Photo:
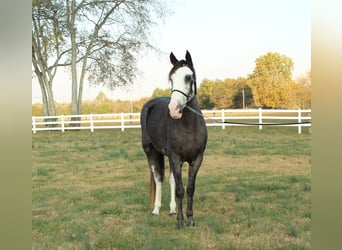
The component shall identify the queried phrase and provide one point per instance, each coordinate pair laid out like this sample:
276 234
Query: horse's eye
188 78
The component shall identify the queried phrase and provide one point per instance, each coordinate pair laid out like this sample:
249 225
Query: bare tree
100 39
47 47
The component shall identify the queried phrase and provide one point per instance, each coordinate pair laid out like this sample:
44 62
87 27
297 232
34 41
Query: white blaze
178 100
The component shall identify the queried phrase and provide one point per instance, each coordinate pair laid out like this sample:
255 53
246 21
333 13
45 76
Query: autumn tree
305 90
269 80
161 92
101 39
243 96
204 94
223 94
299 93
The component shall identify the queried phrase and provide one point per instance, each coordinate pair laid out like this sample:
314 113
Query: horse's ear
173 59
188 59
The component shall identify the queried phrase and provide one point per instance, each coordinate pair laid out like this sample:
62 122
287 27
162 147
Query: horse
174 127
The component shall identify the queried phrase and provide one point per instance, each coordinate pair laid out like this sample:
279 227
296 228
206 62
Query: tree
222 94
227 93
101 98
243 96
305 91
47 43
204 93
299 92
161 92
98 38
269 80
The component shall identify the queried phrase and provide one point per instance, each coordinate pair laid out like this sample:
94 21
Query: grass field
91 191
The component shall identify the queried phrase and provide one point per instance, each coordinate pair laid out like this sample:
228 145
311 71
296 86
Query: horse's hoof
155 214
191 223
180 226
172 213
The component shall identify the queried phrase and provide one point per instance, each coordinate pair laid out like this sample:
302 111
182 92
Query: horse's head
183 84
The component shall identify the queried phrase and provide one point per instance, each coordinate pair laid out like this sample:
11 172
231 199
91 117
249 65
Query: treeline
238 93
211 94
270 85
101 105
219 94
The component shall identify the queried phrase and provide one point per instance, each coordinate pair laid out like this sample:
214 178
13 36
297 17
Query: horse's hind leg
156 164
173 194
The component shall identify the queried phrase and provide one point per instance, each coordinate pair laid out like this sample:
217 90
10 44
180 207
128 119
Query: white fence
221 118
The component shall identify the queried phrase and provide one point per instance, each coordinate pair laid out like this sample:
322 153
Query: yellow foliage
270 79
101 105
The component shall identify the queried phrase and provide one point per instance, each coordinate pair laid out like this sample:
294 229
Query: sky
224 37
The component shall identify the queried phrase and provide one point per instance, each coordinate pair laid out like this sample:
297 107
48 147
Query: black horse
174 127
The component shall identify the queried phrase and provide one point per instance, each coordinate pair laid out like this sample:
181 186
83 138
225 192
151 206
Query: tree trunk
80 90
44 95
46 88
72 30
49 108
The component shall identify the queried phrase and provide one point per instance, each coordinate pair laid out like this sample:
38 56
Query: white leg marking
157 203
173 194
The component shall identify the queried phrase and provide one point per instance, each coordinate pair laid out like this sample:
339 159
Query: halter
191 95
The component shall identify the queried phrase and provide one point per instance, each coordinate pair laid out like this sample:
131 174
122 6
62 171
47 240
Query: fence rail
214 118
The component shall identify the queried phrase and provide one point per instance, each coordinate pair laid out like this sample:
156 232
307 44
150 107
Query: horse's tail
152 189
153 182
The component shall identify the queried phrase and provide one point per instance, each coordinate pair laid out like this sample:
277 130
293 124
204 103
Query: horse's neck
194 110
194 104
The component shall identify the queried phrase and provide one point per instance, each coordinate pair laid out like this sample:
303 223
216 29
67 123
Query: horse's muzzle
175 111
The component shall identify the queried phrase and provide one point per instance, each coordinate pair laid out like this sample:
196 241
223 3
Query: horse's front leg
176 167
190 190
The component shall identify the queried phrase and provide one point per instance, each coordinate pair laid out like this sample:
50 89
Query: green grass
91 191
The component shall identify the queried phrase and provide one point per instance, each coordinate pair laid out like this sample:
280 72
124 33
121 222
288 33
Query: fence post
299 121
122 122
34 124
260 118
62 120
91 122
222 117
